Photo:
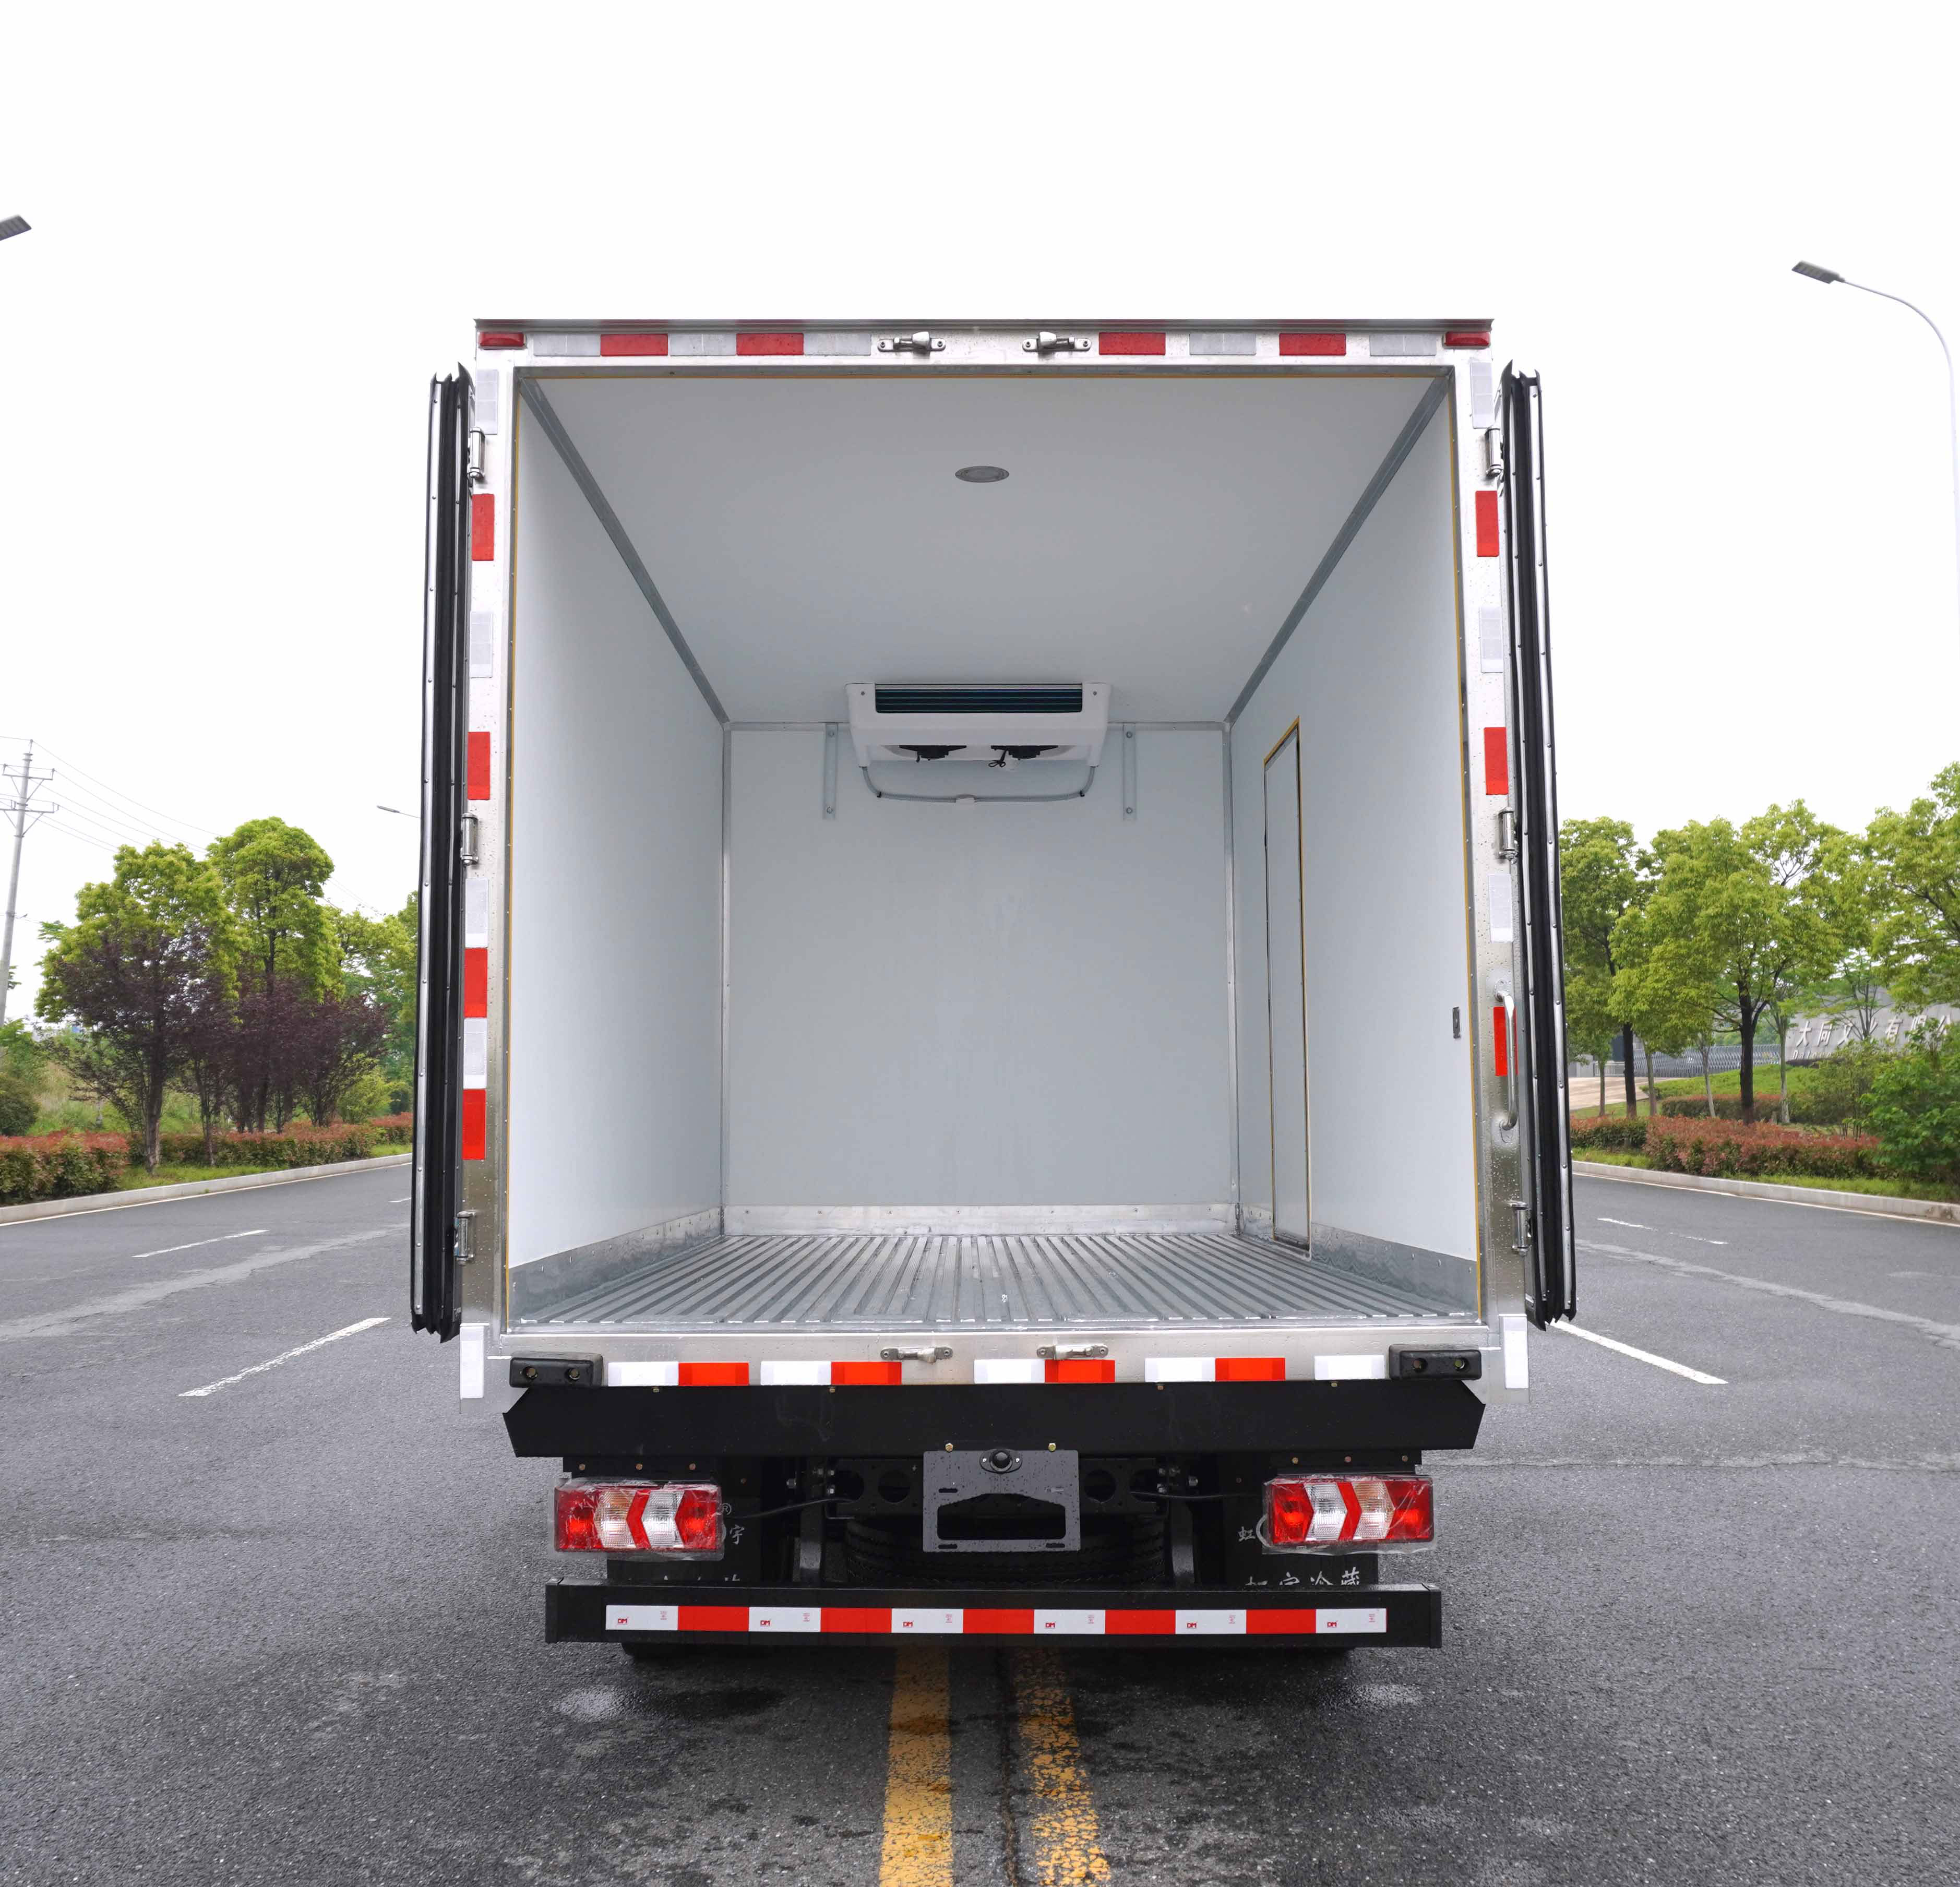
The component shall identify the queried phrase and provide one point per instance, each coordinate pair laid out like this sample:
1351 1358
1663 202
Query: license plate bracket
1002 1500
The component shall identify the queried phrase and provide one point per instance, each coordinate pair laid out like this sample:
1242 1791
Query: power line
68 766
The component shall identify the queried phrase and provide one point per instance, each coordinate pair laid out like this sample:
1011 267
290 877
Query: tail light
679 1519
1328 1513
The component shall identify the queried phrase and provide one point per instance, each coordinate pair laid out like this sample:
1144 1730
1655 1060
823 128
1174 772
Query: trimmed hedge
395 1126
297 1145
59 1166
1739 1149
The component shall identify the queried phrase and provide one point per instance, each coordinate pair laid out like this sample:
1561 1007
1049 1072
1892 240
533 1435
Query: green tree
1599 884
1914 860
1756 910
23 1054
131 977
273 875
378 959
1668 997
1590 1026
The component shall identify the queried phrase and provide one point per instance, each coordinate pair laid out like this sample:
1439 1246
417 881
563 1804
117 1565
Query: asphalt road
289 1630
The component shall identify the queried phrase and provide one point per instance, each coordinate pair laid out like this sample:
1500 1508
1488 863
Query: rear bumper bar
596 1610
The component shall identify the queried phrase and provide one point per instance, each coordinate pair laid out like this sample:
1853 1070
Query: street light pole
1815 272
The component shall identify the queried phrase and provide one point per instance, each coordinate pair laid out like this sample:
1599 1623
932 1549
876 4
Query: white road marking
165 1251
58 1323
1642 1355
259 1369
1632 1225
1947 1336
403 1200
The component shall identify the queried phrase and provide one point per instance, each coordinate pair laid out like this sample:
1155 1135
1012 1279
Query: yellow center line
918 1782
1064 1833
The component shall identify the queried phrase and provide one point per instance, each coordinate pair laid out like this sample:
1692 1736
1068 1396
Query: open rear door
1551 1279
433 1263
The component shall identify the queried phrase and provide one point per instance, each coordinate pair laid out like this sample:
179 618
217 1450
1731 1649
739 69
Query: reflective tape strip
1334 345
1230 341
925 1624
714 1376
483 526
486 399
643 1618
475 910
476 764
565 347
1362 1367
785 1618
1496 764
476 1123
642 1375
482 642
476 981
847 1375
475 1052
1129 341
1503 927
780 1375
631 346
1068 1625
1402 347
1008 1370
1487 544
1214 1369
1210 1624
1079 1369
768 344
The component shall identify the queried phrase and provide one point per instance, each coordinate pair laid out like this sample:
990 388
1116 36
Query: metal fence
1811 1038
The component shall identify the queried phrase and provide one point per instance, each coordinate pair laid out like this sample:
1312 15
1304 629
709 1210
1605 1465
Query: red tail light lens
1328 1513
679 1519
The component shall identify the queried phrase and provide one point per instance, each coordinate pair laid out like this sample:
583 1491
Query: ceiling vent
1038 725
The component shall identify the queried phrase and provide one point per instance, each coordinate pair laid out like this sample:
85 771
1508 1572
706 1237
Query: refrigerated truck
991 1055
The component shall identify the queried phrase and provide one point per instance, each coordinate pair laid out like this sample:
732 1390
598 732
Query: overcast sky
257 232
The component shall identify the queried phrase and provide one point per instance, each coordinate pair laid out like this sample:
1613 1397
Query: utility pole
21 808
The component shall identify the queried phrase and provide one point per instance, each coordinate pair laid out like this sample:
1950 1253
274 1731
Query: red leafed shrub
1742 1150
59 1166
395 1126
1618 1132
1759 1149
297 1145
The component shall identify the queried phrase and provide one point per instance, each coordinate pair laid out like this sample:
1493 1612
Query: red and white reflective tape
1044 1369
676 1375
1214 1369
1008 1621
830 1375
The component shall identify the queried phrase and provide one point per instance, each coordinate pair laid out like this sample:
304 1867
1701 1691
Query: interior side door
1286 989
438 1165
1544 1119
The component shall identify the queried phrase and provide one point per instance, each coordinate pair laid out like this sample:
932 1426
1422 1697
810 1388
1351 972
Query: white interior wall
614 1015
975 1006
1371 675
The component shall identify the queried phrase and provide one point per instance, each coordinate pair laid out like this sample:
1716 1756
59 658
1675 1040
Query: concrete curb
190 1188
1938 1210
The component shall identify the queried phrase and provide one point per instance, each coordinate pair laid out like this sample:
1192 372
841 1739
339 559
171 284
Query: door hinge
1056 1352
1521 1225
921 342
1047 343
1493 453
479 457
916 1353
468 838
1508 832
465 1236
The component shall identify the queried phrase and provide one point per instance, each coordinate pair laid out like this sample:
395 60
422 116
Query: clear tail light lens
1328 1513
679 1519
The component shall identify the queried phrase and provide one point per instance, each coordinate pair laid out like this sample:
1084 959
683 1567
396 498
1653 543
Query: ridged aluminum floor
950 1281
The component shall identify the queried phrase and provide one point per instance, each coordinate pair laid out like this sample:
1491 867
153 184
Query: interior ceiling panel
1153 532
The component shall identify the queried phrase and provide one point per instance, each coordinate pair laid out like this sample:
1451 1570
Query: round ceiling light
981 474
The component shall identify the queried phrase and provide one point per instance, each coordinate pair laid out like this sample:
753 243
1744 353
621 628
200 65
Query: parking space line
1064 1835
259 1369
1642 1355
918 1776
